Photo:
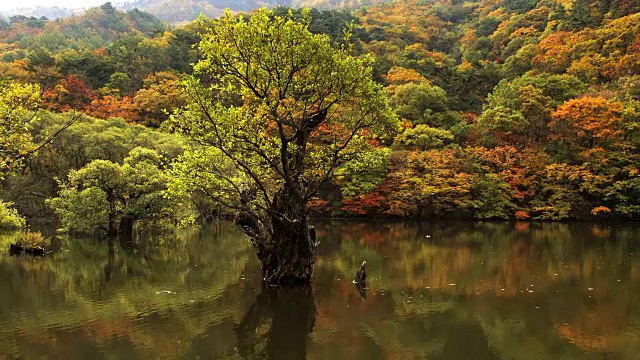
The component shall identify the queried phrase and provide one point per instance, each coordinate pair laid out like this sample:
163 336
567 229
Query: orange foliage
398 75
319 206
554 52
589 121
111 106
600 209
15 70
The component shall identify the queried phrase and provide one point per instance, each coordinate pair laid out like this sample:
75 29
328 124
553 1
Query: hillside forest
505 109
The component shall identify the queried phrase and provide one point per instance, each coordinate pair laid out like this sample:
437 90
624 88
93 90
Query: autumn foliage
508 109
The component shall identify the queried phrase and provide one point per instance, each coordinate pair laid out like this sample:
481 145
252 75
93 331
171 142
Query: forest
489 109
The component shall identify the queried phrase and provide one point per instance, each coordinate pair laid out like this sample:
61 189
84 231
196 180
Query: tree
17 105
586 123
120 83
284 110
160 95
423 103
423 137
9 217
580 15
70 93
111 196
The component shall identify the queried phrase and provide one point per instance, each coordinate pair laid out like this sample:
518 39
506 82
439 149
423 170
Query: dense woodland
511 109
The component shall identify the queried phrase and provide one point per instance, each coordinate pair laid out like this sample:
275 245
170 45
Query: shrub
9 217
33 239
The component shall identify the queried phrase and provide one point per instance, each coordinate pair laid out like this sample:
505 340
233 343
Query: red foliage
365 204
70 93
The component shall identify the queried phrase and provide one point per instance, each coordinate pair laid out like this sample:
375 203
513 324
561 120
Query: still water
436 291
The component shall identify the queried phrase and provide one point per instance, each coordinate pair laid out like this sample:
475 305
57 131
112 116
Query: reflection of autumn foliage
497 273
427 279
585 341
596 329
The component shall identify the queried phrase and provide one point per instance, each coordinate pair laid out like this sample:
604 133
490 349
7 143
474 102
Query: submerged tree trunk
285 244
113 213
126 227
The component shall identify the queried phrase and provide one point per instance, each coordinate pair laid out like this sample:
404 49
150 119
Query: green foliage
559 88
364 174
86 140
493 198
306 109
100 194
17 105
82 211
423 137
119 82
424 103
328 22
9 217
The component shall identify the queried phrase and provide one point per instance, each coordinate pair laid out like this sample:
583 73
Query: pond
435 291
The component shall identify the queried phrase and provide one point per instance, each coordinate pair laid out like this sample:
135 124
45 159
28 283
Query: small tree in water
276 111
111 196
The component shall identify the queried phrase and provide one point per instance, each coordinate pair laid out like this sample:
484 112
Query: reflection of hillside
446 290
72 291
525 279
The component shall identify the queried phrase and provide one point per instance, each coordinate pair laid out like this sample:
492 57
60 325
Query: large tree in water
273 111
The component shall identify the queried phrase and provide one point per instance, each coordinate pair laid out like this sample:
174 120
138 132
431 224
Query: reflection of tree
97 291
108 268
467 341
292 316
410 312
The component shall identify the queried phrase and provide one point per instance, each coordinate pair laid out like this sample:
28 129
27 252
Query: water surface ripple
435 291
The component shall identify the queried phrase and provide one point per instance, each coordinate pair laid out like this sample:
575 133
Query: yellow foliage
33 239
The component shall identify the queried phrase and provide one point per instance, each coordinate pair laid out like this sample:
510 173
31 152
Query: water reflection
290 315
437 291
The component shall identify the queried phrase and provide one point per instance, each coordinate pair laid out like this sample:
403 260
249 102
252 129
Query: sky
69 4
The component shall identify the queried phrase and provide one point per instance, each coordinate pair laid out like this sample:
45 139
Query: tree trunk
126 227
287 252
290 260
113 213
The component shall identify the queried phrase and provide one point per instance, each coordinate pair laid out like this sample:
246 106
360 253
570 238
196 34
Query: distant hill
180 11
52 12
177 11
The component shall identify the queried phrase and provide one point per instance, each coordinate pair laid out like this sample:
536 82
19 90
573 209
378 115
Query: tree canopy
278 109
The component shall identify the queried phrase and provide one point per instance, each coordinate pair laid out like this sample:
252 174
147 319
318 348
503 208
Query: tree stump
361 275
18 249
